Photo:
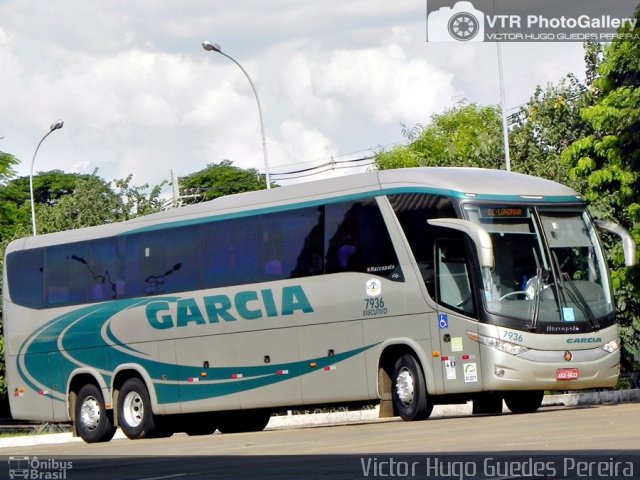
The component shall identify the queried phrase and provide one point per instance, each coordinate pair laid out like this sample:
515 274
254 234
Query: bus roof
485 184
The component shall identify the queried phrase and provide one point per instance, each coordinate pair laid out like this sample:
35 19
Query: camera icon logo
462 23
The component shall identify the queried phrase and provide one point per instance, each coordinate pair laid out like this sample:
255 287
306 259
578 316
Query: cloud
299 141
139 95
384 83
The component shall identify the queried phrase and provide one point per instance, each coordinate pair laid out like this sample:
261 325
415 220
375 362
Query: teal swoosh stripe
80 333
262 376
116 341
40 351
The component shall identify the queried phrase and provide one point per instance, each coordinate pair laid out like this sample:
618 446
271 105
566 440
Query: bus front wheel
524 401
409 390
90 416
134 410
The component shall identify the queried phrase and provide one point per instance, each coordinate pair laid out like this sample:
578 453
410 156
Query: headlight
612 346
507 347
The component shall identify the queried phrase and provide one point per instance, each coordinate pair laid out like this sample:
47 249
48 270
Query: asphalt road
557 442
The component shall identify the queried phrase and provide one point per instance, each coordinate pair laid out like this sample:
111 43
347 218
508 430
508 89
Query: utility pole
176 189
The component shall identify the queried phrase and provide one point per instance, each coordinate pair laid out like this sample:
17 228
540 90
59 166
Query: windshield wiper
537 290
574 294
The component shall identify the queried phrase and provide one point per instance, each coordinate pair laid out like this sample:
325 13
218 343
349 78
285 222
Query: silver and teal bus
408 287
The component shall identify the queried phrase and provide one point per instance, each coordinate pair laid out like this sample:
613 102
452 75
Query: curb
358 416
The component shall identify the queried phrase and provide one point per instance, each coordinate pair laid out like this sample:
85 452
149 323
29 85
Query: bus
408 288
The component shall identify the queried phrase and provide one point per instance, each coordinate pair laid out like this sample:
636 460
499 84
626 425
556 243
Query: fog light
498 372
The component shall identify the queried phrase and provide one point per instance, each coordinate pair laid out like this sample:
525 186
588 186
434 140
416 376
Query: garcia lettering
246 305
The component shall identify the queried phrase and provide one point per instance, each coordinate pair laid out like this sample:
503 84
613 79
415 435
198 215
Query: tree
69 200
604 164
7 161
15 198
95 202
464 136
220 179
138 200
547 125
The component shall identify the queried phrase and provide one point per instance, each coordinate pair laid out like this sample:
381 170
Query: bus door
460 356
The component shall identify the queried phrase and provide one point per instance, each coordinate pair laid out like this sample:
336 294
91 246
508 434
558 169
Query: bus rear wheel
134 410
92 422
409 390
524 401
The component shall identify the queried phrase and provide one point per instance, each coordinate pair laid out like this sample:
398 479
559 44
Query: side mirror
628 244
479 235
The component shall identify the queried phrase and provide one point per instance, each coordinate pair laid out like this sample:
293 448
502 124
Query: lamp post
56 126
505 128
214 47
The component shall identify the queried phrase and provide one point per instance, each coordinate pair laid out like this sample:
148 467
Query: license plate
567 373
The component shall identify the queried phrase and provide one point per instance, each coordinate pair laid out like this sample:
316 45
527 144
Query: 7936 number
514 336
373 303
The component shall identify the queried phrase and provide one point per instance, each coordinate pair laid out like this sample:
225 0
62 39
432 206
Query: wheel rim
133 409
90 413
405 388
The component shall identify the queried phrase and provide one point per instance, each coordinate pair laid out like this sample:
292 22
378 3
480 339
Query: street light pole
503 104
214 47
505 128
56 126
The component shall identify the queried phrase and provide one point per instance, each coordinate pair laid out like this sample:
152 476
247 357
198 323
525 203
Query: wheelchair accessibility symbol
443 321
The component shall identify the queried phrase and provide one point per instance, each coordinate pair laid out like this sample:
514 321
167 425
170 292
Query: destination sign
504 212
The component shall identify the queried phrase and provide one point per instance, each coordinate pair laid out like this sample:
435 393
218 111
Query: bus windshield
549 267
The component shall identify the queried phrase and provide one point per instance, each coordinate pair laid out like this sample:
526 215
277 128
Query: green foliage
464 136
220 179
7 161
546 125
91 203
48 187
604 165
95 202
138 200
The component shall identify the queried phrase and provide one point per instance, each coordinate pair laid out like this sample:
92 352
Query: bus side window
342 237
310 250
171 260
69 276
357 240
25 274
413 210
453 282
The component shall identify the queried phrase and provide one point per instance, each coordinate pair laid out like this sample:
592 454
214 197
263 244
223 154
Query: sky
336 80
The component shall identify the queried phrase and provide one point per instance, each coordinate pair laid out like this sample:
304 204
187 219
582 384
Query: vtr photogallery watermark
526 21
34 468
499 467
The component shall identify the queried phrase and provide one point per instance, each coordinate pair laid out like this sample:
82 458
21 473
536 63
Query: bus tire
409 390
524 401
92 422
134 410
243 421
